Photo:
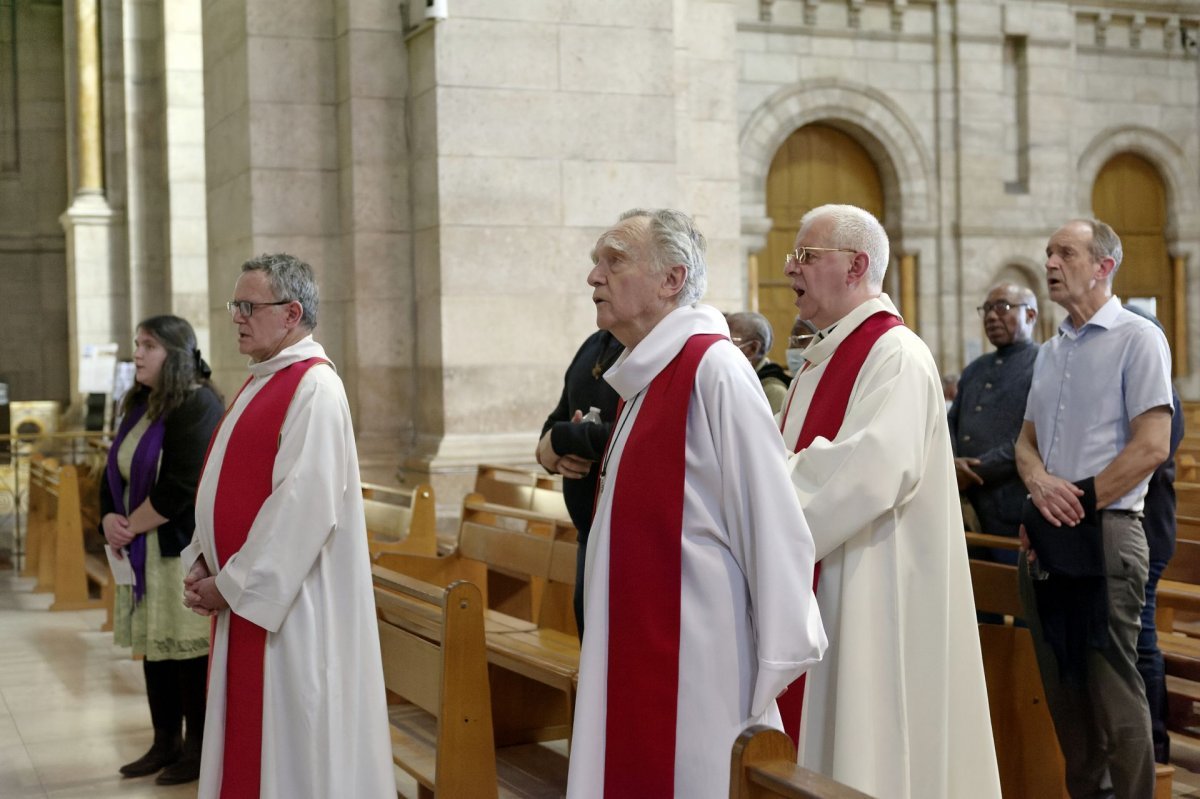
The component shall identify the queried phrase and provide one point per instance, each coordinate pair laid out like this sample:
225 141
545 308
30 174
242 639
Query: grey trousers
1103 722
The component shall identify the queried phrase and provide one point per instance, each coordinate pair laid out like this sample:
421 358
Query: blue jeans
1150 666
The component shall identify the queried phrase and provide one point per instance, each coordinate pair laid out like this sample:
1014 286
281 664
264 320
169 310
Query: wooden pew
38 523
1027 751
1187 527
434 658
522 488
1187 467
524 563
1187 499
764 766
522 560
64 567
400 520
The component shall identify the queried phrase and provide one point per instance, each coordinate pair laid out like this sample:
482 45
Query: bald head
1009 312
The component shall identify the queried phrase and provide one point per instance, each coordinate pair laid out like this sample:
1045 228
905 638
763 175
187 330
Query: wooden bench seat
764 766
400 520
432 642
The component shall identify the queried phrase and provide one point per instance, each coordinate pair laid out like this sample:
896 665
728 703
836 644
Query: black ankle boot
165 751
193 677
185 769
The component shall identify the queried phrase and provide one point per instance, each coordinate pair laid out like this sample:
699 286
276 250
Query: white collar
302 350
636 367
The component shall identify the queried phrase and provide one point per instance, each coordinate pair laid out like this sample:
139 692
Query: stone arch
1183 196
874 120
1028 270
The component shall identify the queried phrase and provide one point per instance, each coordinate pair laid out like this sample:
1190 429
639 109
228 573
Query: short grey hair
754 324
1105 243
290 279
856 229
674 239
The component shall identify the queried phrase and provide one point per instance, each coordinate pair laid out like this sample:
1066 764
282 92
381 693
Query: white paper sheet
121 568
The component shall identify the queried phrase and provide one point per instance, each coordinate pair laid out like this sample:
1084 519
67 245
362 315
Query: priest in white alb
698 580
898 707
296 703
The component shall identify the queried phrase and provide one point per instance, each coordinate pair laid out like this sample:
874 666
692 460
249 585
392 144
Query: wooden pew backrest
1184 565
995 588
1027 751
400 520
1187 498
522 488
530 560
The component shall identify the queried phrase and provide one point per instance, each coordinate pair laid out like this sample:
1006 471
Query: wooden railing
71 447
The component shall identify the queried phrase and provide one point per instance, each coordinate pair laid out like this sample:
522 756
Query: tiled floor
72 705
73 708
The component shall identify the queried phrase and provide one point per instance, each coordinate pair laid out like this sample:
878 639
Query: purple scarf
143 471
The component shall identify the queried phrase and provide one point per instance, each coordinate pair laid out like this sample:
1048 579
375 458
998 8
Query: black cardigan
185 441
583 388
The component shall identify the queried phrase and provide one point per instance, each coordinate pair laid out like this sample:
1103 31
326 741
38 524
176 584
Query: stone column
89 220
186 217
1179 336
270 144
528 139
909 304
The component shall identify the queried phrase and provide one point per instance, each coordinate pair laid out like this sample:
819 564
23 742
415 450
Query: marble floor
72 705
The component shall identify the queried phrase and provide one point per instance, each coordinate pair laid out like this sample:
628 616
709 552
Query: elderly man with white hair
752 334
698 585
898 707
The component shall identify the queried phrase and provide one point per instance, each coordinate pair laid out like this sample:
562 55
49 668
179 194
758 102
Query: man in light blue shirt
1098 417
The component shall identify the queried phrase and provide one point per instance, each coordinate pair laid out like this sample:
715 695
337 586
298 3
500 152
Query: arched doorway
1129 195
817 164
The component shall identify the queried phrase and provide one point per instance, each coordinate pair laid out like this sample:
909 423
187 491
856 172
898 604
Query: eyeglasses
245 308
803 255
801 341
1000 306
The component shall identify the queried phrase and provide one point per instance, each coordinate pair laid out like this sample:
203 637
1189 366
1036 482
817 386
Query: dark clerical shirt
985 421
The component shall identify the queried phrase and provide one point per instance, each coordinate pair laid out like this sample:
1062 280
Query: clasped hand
200 592
1057 500
966 475
116 531
570 466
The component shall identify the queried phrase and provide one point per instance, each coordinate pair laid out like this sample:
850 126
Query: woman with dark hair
147 515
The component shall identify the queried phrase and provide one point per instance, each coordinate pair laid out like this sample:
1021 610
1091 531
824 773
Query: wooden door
817 164
1129 195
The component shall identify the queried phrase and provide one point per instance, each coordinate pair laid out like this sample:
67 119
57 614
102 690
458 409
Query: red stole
645 576
824 418
243 485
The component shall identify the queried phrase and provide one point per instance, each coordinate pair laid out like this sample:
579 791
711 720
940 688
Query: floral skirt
160 627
